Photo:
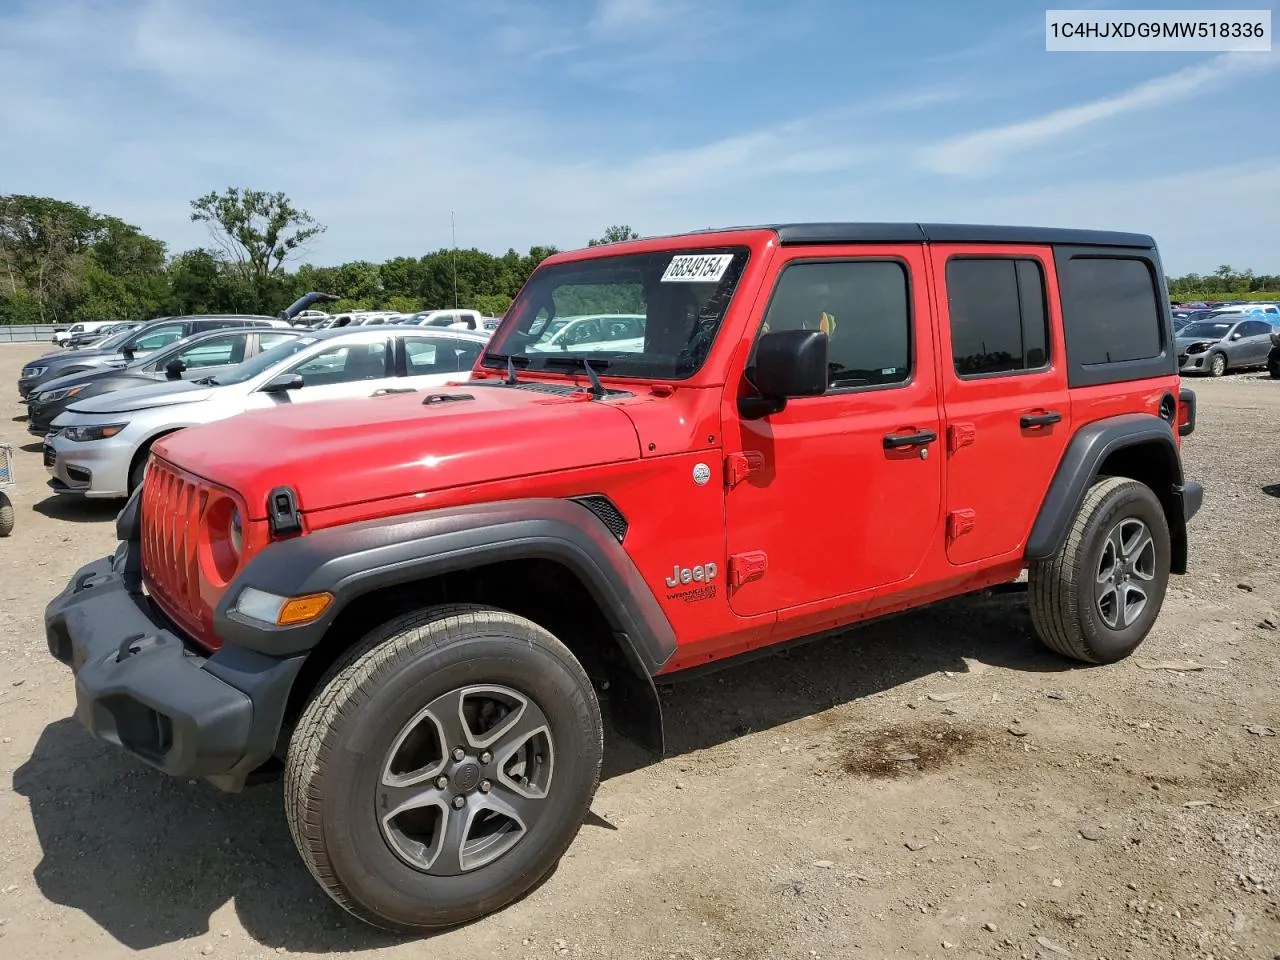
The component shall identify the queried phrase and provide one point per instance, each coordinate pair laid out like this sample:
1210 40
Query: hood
69 356
143 398
74 379
338 452
1182 343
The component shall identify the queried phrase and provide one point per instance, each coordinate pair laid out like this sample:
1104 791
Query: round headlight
235 532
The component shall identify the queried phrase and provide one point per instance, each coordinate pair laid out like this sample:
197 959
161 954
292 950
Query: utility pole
453 229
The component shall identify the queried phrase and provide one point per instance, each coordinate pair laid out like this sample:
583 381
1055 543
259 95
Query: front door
1004 393
840 493
355 367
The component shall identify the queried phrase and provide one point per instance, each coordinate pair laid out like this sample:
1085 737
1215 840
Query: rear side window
998 321
1112 306
862 306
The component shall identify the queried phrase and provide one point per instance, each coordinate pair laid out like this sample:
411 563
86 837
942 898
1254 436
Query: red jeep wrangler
675 451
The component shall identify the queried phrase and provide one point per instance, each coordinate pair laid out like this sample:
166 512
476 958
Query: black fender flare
1079 468
352 560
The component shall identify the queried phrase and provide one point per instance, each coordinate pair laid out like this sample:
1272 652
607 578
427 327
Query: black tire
1067 616
1273 367
6 516
137 473
1217 364
343 744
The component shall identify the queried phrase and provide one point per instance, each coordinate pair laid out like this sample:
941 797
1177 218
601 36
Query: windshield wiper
597 388
511 360
507 358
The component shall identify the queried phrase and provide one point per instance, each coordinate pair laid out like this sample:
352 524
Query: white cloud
1199 219
980 152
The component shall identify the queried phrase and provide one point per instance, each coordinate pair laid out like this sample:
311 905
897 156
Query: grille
172 504
607 513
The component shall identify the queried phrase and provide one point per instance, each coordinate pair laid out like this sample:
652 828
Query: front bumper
1194 362
143 687
94 468
40 417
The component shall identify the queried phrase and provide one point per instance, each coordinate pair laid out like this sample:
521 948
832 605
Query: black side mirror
174 369
789 363
127 353
283 383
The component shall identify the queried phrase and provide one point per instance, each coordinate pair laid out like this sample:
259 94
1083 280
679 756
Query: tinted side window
1256 328
345 363
862 306
158 337
997 309
1113 307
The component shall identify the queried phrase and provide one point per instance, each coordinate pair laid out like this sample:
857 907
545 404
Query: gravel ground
1048 810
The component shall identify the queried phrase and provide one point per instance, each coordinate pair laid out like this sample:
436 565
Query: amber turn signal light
301 609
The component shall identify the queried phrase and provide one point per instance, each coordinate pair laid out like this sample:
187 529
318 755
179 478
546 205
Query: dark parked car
116 352
97 336
198 356
1182 317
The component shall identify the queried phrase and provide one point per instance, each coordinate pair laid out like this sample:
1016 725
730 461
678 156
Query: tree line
61 262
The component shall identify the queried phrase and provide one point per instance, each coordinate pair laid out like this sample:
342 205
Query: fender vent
606 512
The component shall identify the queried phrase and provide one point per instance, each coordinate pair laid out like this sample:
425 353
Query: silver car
99 447
1217 345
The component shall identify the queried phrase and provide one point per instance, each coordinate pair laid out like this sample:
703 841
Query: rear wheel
1217 364
443 767
1098 597
6 516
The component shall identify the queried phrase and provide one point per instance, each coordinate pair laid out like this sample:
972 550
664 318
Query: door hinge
960 522
960 435
745 567
739 466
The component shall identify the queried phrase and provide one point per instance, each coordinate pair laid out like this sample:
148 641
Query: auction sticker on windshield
697 268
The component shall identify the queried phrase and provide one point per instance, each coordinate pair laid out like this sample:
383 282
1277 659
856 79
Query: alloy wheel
466 779
1125 572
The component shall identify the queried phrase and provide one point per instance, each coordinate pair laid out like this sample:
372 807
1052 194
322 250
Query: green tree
614 234
256 230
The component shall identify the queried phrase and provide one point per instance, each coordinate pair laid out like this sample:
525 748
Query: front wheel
443 767
1217 365
1099 596
6 516
1273 366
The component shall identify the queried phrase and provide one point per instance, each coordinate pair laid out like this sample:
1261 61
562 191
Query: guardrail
18 333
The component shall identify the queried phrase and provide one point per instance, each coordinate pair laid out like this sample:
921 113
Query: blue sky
542 122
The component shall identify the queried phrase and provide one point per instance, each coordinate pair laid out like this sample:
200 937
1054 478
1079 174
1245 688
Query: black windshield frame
687 314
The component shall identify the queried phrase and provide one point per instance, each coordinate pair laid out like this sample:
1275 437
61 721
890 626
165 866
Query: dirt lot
1050 810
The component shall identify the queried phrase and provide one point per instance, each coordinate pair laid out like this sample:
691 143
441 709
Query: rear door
1004 393
1256 341
841 493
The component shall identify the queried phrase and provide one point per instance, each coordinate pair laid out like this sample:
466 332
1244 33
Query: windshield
264 361
652 315
1217 329
114 340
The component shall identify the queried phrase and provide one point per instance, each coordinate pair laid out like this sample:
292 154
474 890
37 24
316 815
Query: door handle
893 441
1029 420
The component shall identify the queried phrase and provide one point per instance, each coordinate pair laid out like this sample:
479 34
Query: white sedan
99 447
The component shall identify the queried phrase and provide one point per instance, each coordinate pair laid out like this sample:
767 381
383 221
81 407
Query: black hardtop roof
819 233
